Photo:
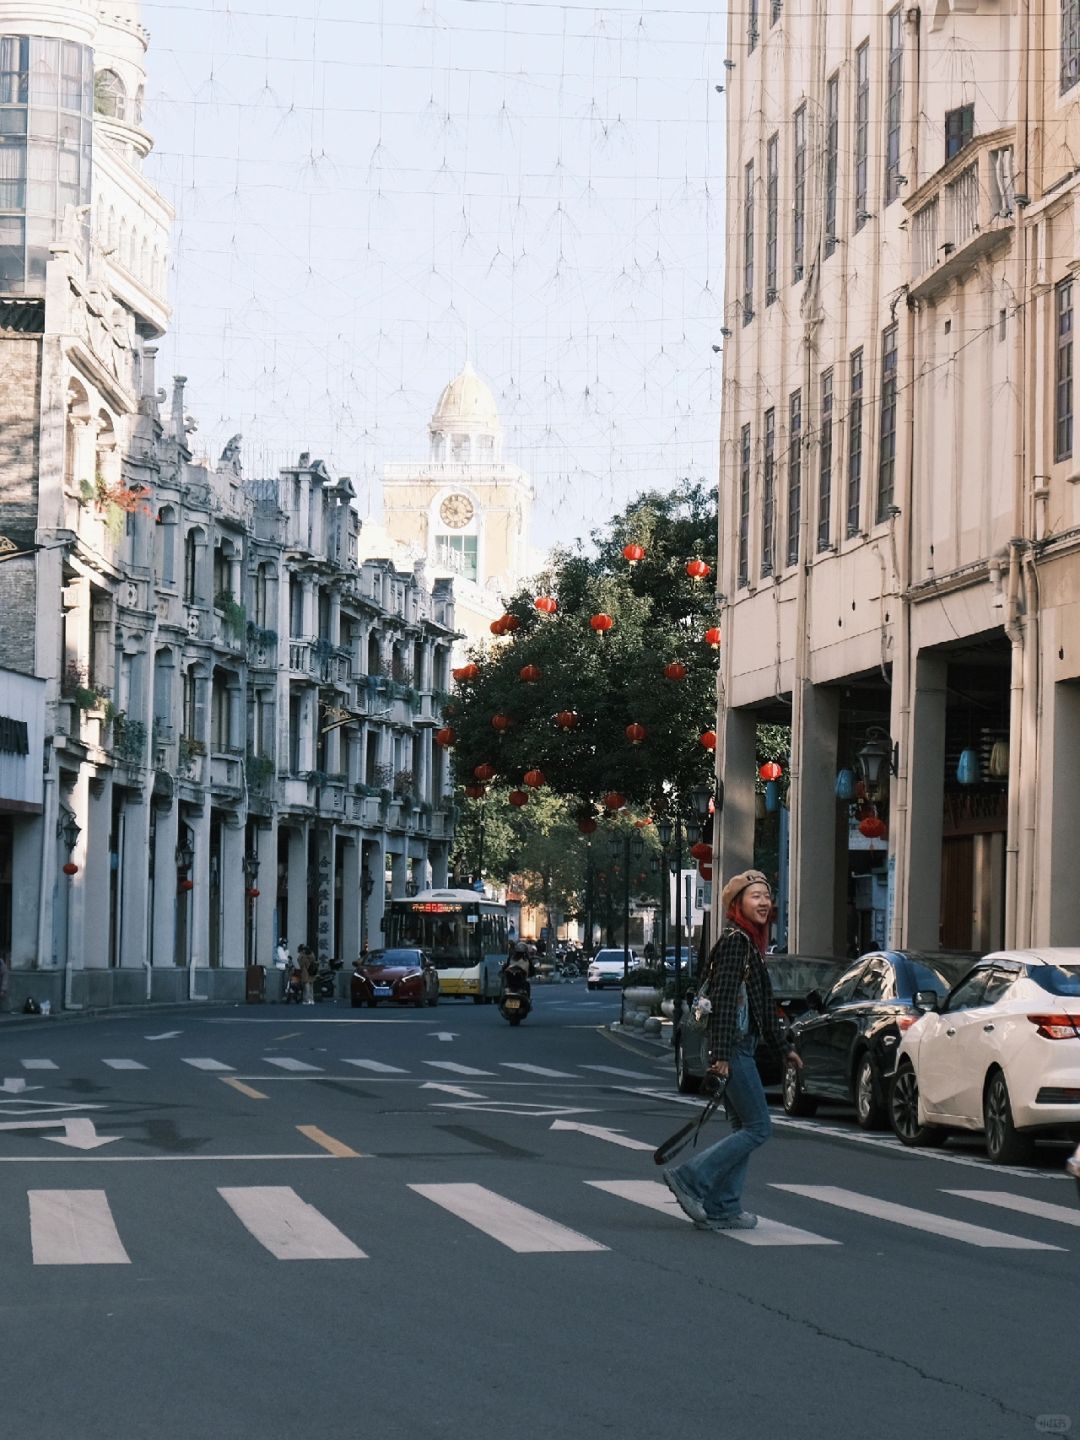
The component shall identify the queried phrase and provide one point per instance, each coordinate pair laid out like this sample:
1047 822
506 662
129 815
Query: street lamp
68 829
367 885
631 845
185 857
251 875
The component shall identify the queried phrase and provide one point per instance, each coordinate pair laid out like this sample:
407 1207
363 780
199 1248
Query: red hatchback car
406 977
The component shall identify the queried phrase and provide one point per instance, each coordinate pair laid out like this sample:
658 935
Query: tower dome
465 425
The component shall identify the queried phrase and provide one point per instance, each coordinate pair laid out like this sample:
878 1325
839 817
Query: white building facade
900 514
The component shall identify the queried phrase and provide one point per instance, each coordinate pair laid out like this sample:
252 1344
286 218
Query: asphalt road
260 1222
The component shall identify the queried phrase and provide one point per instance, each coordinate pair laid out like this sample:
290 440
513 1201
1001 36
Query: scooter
515 1002
325 982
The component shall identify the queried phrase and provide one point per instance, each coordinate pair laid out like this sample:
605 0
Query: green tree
608 682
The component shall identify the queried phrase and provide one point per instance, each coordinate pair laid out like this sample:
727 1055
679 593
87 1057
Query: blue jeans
716 1176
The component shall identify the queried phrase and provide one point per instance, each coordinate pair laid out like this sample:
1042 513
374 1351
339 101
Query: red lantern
566 720
586 825
530 674
675 671
497 627
613 800
546 604
701 851
633 553
467 672
708 739
71 868
475 792
601 623
713 637
518 798
253 893
698 570
510 623
635 733
445 737
484 772
534 778
770 770
501 723
873 827
186 885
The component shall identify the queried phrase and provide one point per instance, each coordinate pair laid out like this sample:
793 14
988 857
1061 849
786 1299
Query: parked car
405 976
1001 1054
793 978
848 1039
686 958
606 968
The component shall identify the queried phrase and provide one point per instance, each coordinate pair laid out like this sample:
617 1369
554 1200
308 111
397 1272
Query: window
844 989
768 494
192 544
752 26
110 96
887 441
794 492
969 993
824 524
14 69
1070 44
744 506
893 103
862 132
1063 370
748 243
457 553
959 128
832 159
876 981
772 206
798 203
854 464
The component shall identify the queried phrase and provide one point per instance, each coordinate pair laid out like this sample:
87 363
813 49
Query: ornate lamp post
251 875
630 845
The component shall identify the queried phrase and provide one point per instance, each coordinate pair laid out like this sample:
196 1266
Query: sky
368 192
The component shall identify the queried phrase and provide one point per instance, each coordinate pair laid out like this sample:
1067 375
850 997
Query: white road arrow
452 1090
598 1133
79 1134
168 1035
14 1085
443 1034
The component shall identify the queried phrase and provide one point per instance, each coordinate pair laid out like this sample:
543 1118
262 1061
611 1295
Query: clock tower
465 510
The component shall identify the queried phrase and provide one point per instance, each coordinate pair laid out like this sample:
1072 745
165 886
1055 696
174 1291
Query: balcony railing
964 210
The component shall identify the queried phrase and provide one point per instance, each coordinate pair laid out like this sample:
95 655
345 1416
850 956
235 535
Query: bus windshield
450 937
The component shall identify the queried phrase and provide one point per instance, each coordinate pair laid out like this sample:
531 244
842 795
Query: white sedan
606 968
1001 1055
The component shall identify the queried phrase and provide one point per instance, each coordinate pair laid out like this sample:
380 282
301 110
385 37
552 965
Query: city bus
464 933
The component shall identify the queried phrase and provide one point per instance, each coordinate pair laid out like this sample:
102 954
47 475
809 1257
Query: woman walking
709 1187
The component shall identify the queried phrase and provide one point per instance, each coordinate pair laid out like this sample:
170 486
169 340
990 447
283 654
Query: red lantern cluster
770 770
713 637
546 604
534 779
698 570
708 740
518 798
501 723
566 720
484 772
873 827
601 623
633 553
464 673
530 674
635 733
505 625
613 800
445 737
675 671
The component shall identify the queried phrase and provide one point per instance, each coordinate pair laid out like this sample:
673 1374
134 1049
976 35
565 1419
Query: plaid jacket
734 956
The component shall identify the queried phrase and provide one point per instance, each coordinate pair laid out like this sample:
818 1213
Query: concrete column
813 921
323 944
163 939
234 900
919 908
439 856
737 744
134 880
297 889
399 872
265 939
91 917
199 895
1058 923
348 942
374 862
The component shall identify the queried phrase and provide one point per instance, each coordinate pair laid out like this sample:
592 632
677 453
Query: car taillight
1057 1027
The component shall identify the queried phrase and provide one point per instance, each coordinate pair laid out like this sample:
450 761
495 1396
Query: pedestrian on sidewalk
709 1186
309 968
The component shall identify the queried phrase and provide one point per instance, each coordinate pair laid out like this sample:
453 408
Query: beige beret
737 884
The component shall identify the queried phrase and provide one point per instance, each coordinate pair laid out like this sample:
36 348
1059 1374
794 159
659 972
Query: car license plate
382 990
512 1004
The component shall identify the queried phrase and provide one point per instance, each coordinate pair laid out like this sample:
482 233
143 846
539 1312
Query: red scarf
759 934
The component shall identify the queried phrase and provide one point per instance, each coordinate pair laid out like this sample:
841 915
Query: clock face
456 511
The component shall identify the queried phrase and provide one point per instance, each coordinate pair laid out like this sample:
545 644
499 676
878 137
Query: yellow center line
244 1089
328 1143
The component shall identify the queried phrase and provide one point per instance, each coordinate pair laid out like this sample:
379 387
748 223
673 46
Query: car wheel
795 1099
904 1111
869 1111
686 1082
1005 1145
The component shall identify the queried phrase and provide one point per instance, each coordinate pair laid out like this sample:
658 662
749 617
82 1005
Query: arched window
193 543
110 95
165 545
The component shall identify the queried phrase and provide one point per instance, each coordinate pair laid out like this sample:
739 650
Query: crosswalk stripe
456 1068
73 1227
287 1226
626 1074
207 1065
123 1064
283 1062
1041 1209
38 1065
915 1219
657 1196
537 1070
519 1229
377 1067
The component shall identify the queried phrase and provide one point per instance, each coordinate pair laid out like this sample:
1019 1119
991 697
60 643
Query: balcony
965 210
320 661
227 772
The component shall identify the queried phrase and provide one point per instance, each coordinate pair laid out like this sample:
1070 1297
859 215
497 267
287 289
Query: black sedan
848 1039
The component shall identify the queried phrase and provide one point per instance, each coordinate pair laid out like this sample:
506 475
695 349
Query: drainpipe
1030 752
1015 631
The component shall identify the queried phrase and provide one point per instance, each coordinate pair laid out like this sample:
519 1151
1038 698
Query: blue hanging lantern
967 769
772 796
845 785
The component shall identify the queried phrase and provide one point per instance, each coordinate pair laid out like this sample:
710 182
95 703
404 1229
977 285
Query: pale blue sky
363 187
